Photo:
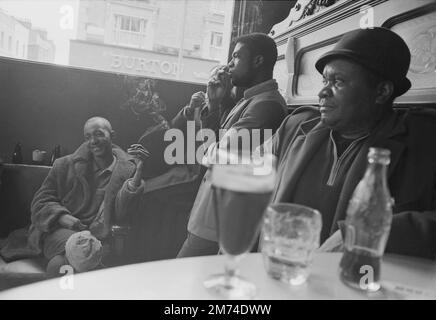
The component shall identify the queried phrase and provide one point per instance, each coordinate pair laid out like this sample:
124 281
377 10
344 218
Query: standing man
322 152
262 107
78 194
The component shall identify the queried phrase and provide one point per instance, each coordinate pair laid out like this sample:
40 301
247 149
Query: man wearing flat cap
324 150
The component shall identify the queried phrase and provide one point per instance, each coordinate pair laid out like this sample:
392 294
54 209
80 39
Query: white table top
181 279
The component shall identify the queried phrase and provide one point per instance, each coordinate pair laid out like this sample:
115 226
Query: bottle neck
376 174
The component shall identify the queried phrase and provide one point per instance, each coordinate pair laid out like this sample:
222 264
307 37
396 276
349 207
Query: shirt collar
260 88
108 169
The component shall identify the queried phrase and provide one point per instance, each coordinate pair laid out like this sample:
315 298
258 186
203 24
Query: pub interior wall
42 105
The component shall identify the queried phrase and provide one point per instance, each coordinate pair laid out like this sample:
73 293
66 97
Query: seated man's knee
83 251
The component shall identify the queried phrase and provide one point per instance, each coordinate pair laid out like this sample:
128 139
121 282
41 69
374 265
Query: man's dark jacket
263 108
409 135
66 190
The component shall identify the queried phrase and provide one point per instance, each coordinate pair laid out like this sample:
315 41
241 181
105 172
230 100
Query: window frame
118 18
213 42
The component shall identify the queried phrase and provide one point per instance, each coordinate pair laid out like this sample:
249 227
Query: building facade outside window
130 31
170 39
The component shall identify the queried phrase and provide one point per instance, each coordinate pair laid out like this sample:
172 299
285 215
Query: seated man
262 108
157 201
322 153
78 194
144 197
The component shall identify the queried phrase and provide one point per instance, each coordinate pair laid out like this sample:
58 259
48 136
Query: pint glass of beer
241 188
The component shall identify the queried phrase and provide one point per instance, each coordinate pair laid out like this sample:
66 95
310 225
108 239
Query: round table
402 277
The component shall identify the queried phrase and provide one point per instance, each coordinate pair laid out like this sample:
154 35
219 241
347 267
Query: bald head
102 122
98 135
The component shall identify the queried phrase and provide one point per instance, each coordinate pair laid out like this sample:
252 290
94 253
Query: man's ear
385 91
258 61
112 134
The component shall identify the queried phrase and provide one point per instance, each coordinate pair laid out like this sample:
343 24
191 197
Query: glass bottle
368 222
17 156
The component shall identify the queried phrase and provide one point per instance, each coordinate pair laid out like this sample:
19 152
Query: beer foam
255 177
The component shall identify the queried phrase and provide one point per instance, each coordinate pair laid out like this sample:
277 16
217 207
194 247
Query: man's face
241 66
347 99
99 138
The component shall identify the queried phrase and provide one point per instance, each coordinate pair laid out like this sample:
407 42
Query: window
162 39
216 39
130 24
131 32
134 25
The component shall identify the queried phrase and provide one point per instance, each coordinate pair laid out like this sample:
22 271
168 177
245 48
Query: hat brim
401 85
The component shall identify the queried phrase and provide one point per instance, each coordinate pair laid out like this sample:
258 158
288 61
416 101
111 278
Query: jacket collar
82 159
83 154
311 126
266 86
260 88
100 171
390 126
383 135
311 134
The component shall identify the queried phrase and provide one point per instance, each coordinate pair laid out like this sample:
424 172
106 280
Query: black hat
379 49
